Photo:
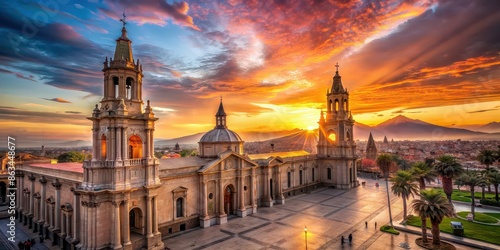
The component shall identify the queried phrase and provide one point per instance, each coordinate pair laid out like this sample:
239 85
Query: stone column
149 217
113 143
43 218
57 222
281 197
241 210
155 216
96 154
252 192
151 143
32 192
126 225
68 226
63 225
119 144
117 233
76 216
20 195
108 143
222 215
146 148
124 143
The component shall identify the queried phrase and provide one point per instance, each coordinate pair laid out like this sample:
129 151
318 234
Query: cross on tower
337 66
123 20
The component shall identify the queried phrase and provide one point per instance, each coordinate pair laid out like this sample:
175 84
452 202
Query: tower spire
220 116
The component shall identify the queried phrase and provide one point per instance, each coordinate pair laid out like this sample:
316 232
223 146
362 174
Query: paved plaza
328 214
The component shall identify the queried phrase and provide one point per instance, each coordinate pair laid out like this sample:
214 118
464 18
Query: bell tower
122 129
336 146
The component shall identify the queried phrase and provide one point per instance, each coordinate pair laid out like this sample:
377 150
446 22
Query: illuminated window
332 137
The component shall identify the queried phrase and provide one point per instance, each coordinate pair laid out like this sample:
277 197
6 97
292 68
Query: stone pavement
22 234
327 213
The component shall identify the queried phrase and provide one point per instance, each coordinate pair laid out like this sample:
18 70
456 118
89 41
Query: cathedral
125 198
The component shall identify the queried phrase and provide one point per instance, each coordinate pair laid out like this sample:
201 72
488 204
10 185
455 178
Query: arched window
180 207
129 88
312 173
336 105
289 178
300 177
116 86
348 136
330 106
135 147
332 137
329 174
103 147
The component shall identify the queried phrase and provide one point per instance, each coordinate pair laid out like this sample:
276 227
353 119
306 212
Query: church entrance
135 220
228 200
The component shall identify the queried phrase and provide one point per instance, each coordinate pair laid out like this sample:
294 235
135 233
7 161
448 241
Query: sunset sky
271 61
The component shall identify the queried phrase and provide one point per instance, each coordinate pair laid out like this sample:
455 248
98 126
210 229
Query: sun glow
310 128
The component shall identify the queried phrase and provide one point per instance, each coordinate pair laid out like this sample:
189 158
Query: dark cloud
73 112
481 111
10 113
57 99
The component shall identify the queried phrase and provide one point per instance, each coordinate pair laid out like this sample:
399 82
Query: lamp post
305 233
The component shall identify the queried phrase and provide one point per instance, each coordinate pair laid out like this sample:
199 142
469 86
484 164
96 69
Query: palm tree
423 172
403 185
384 163
494 179
434 205
448 168
472 179
487 157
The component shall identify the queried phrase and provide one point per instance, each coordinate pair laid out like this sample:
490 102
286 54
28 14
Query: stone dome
221 135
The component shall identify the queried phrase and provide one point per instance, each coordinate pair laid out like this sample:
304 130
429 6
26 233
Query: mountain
246 136
300 140
404 128
492 127
70 144
188 139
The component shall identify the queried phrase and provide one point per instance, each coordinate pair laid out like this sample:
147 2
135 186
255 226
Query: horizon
435 61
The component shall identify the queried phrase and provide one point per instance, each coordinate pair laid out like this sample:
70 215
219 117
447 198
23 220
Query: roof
171 163
280 154
65 166
221 111
221 135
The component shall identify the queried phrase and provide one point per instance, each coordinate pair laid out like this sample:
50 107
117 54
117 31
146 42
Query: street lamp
305 233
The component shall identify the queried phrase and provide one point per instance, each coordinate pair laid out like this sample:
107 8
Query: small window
329 174
180 207
245 188
300 177
312 173
210 196
289 179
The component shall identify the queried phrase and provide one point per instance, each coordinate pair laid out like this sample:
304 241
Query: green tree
494 179
434 205
72 156
403 185
448 168
423 172
384 163
486 157
472 179
158 154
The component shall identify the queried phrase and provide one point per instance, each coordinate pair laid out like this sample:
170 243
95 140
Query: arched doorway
228 200
135 147
135 220
3 192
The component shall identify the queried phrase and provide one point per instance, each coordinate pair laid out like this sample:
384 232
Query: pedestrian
33 241
366 224
350 239
20 245
342 240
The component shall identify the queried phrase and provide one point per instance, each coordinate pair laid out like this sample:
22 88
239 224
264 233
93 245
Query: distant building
126 198
177 148
385 140
371 148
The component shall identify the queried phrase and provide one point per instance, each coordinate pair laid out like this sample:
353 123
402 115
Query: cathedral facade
125 198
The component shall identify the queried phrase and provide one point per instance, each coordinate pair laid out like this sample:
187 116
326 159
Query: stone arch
130 87
134 147
116 86
229 199
136 221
